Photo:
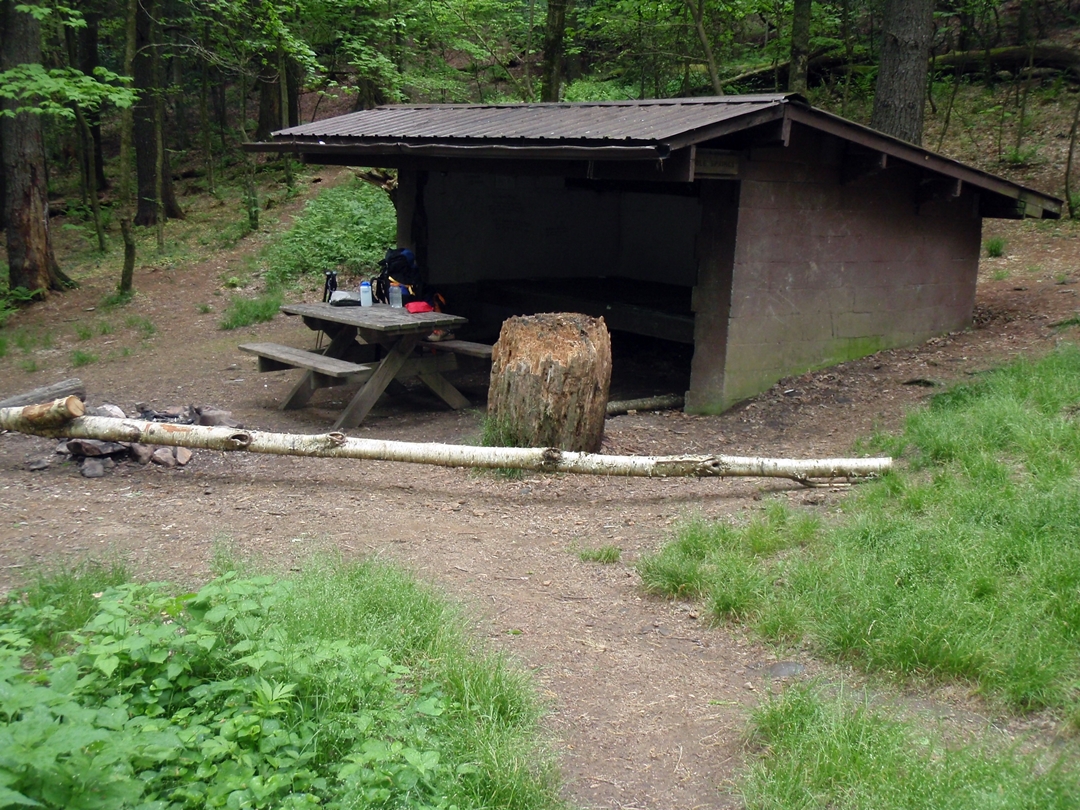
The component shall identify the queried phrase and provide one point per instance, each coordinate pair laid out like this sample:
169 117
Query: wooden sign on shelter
550 375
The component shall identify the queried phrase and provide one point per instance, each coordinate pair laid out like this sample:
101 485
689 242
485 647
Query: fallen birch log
338 445
47 393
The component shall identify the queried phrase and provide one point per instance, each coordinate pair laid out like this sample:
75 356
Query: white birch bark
338 445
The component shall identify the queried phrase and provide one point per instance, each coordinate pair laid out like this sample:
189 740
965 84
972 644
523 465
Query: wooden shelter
774 237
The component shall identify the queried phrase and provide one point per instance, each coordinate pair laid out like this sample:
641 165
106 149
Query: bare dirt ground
648 703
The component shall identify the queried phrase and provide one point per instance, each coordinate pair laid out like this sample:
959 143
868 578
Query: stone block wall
825 271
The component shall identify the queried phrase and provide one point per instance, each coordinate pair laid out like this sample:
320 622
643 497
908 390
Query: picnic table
375 345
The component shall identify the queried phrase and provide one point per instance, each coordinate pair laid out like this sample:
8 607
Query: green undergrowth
346 686
836 751
247 311
962 564
346 227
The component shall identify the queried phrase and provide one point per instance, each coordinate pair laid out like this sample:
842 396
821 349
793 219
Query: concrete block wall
825 272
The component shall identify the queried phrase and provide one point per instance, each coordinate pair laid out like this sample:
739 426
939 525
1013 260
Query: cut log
65 388
338 445
51 414
663 402
550 375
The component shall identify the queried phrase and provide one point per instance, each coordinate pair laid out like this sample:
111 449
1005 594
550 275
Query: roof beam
917 156
367 150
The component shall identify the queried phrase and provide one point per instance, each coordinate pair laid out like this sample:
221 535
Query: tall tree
151 162
800 46
900 95
31 263
554 50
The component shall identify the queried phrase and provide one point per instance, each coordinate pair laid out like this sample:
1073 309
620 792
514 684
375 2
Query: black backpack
400 266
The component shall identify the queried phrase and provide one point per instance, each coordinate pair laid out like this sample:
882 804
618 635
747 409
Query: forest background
121 97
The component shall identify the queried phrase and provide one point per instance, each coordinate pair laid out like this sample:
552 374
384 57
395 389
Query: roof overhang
659 140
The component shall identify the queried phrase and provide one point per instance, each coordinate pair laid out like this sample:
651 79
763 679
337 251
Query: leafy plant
347 226
10 299
347 687
995 247
83 331
247 311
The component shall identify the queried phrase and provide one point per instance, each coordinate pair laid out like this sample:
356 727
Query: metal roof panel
638 121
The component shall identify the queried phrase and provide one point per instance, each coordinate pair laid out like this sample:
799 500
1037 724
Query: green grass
995 247
3 346
117 299
349 226
964 566
838 752
143 325
346 685
29 365
607 555
246 311
80 358
83 331
1001 274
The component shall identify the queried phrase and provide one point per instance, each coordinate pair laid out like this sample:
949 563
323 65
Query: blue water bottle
365 293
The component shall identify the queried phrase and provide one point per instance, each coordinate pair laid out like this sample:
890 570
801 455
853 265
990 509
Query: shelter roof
620 132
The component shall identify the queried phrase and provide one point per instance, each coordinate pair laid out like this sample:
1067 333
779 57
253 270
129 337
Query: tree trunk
549 381
554 35
899 97
147 76
800 46
88 61
127 155
63 418
697 11
269 100
31 263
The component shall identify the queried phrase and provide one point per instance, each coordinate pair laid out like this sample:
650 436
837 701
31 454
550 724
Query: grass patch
995 247
3 346
839 752
347 685
117 299
83 331
1001 274
80 358
143 325
607 555
965 566
349 226
29 365
247 311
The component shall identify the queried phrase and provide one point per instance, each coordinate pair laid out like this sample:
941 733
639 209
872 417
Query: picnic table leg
443 388
367 396
309 383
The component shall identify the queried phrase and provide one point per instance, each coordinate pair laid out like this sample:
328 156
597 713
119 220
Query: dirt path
648 703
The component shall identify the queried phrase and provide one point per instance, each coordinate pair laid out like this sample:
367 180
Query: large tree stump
550 375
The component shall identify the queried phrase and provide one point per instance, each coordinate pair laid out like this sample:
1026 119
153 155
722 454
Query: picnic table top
377 317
